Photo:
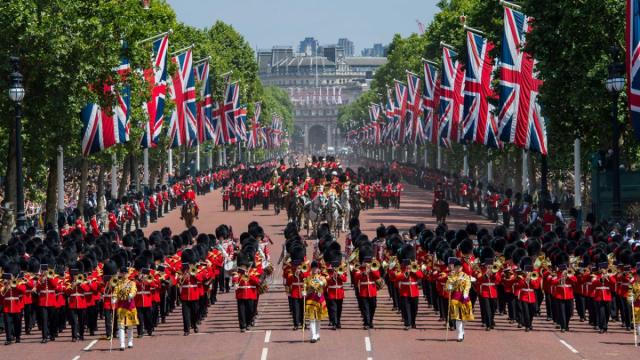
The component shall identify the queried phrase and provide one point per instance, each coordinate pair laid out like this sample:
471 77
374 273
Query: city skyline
376 21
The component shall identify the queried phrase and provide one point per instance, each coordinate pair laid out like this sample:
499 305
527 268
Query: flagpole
182 50
202 60
489 167
439 160
60 169
473 30
450 47
525 172
577 182
145 167
510 5
155 37
429 62
170 161
198 158
465 164
114 176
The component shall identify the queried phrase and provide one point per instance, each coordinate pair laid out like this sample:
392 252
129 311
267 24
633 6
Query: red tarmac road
273 338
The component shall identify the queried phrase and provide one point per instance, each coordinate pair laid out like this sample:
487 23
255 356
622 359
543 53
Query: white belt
106 296
335 287
408 283
564 286
624 284
297 284
488 284
188 286
76 295
12 298
47 291
143 293
602 288
367 283
527 290
246 287
88 293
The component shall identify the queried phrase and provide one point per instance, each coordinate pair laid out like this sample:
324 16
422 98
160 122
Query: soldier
336 277
505 208
77 302
142 211
407 277
123 295
459 284
188 280
153 209
226 192
365 280
487 280
295 281
11 292
246 283
315 304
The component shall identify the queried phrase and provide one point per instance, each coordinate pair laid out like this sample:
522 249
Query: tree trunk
100 192
84 174
52 193
122 189
163 171
153 175
10 180
135 178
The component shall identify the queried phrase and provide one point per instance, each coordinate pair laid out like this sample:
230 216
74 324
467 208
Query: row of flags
457 101
192 122
331 95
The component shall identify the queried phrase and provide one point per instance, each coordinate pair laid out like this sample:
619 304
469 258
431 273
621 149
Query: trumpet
341 269
611 270
51 273
496 268
193 270
414 267
113 282
533 276
304 267
375 265
80 278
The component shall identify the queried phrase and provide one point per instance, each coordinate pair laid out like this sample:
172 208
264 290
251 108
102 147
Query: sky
265 23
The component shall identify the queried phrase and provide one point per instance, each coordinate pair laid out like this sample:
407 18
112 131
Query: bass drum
229 266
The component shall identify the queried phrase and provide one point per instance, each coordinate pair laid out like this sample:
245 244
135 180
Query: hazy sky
265 23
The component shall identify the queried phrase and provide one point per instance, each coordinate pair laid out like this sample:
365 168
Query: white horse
333 215
345 202
313 212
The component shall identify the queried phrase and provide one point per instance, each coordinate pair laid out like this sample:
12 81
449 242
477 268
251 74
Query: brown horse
188 213
441 211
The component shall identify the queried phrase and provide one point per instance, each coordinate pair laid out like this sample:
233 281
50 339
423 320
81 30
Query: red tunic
408 285
367 282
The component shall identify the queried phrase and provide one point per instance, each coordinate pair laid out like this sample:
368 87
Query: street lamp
615 84
16 94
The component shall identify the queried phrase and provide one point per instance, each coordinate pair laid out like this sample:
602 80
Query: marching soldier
11 293
246 283
127 314
315 304
407 277
295 281
459 284
336 276
365 280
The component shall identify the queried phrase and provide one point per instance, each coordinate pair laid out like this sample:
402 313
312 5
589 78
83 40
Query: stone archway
317 138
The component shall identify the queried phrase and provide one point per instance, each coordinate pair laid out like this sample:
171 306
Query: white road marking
571 348
367 344
76 357
265 351
267 336
369 358
88 347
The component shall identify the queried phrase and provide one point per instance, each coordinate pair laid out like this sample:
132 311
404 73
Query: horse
355 206
332 214
441 211
276 198
313 211
345 202
188 213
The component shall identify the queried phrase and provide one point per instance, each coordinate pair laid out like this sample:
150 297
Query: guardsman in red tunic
408 277
226 194
142 211
505 208
75 289
487 287
527 283
188 280
365 277
80 226
548 218
145 284
113 222
12 291
295 281
153 209
46 289
398 188
190 195
336 276
246 284
562 284
95 229
602 295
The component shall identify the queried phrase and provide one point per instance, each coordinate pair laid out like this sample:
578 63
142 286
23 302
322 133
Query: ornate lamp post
16 94
615 84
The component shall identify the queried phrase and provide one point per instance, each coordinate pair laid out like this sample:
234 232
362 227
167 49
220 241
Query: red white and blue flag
633 62
430 102
206 129
479 122
254 137
451 97
229 107
241 123
401 97
414 108
374 115
184 123
520 117
103 128
156 77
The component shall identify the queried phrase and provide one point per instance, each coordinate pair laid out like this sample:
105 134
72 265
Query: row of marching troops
80 281
523 276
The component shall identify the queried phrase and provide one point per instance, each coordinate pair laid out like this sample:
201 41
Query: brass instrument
571 272
414 267
496 268
375 265
113 282
341 269
304 267
611 270
51 273
193 270
533 276
149 278
79 279
354 255
13 283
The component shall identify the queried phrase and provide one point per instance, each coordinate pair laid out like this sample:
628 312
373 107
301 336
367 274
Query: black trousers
92 319
335 311
13 326
225 205
625 312
145 322
506 219
488 311
298 309
565 310
189 314
109 324
409 308
78 317
591 310
510 301
245 312
604 312
580 306
28 313
528 311
368 309
47 321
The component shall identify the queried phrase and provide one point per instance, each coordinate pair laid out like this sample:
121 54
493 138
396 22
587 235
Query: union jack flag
389 112
374 114
451 97
206 129
184 124
240 117
401 97
103 128
231 104
414 108
479 122
430 102
156 77
254 139
633 62
520 117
